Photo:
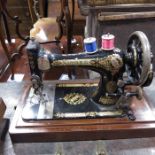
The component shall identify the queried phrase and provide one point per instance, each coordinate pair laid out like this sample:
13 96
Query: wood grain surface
2 108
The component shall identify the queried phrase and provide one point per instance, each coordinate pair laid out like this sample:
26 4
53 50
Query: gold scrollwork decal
111 63
91 114
74 98
107 100
111 86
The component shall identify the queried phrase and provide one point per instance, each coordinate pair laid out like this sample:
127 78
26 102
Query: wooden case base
87 129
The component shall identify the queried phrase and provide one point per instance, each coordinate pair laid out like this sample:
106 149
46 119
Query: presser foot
39 106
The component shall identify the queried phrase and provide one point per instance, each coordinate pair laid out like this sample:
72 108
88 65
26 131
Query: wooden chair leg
6 28
69 15
2 108
8 55
30 5
4 123
59 21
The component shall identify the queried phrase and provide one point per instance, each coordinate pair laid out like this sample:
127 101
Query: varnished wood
66 19
4 123
2 108
43 6
10 56
42 9
30 5
65 22
112 2
126 16
84 129
3 44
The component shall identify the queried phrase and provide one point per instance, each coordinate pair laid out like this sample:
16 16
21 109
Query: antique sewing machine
123 74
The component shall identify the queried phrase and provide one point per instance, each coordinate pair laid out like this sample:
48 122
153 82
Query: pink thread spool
108 41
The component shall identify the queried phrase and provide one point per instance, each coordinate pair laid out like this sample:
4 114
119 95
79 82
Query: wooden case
87 129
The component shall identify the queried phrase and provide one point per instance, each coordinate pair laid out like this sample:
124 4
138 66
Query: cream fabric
42 28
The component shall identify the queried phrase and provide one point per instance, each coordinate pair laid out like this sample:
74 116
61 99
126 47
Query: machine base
68 101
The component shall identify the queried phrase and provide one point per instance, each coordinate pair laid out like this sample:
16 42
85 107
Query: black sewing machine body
110 98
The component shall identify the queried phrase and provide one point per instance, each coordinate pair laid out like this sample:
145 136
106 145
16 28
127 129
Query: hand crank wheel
139 67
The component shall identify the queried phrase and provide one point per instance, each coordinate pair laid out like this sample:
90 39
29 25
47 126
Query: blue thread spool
90 44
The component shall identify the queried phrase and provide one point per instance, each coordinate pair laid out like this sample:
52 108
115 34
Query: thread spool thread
108 42
90 44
